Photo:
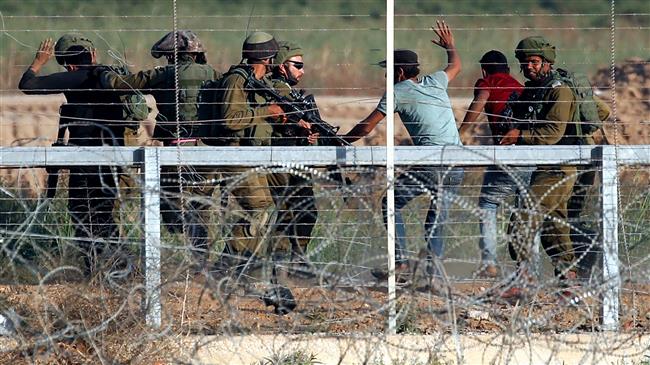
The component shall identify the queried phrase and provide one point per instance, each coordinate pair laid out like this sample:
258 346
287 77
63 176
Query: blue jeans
497 186
442 183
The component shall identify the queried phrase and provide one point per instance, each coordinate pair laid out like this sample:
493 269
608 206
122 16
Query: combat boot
231 264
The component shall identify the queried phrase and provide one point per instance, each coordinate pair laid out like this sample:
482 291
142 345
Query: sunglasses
297 65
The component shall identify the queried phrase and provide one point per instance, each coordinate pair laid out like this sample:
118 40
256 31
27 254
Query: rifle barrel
295 113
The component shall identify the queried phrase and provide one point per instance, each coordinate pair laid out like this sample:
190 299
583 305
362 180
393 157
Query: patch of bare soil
75 323
632 100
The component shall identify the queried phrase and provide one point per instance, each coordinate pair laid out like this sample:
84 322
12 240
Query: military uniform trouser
297 213
91 197
249 230
551 188
585 180
189 211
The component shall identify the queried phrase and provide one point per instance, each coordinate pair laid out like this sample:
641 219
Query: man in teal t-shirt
425 109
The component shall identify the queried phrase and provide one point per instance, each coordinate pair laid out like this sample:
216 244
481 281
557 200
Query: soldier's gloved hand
276 112
43 55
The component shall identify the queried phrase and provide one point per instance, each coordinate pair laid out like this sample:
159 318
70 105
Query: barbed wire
60 313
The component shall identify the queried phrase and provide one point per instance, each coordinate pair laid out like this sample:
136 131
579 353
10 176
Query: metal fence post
390 170
609 205
151 248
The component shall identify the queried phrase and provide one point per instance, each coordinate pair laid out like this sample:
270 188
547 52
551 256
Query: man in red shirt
492 94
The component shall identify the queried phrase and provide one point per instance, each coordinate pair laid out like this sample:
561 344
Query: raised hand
45 52
445 37
43 55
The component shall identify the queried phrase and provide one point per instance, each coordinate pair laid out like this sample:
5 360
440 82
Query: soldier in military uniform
90 116
176 126
293 194
548 105
243 117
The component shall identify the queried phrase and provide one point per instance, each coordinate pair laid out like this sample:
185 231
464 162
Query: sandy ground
234 326
477 348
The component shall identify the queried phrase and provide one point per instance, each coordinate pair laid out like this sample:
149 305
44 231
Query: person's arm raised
446 41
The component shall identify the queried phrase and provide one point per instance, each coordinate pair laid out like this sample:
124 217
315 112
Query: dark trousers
91 197
193 218
297 213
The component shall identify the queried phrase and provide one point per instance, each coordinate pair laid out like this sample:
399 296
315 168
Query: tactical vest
191 77
210 113
586 119
96 117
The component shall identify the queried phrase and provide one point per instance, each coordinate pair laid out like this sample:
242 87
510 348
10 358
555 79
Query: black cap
494 57
403 57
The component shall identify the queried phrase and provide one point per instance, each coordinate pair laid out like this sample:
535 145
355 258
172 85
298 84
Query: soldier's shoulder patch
556 83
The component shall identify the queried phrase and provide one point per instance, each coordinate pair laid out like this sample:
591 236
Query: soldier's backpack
586 118
132 105
209 109
191 77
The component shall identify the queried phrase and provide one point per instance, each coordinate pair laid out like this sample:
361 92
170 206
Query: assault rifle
301 106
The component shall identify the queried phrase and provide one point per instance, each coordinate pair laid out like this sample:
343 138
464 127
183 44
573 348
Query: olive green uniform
586 174
549 107
244 122
293 194
161 83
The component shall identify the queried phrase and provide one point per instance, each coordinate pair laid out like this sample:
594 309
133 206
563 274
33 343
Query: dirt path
234 327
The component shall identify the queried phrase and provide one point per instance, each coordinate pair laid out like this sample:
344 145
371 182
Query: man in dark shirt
92 118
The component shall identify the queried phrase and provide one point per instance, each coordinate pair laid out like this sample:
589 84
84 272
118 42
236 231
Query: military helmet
286 51
188 41
535 46
71 44
260 46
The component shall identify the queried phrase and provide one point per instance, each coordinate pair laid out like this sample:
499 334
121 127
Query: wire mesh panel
207 181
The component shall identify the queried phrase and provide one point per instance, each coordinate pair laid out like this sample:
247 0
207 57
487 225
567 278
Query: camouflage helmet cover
535 46
286 51
188 41
64 44
259 45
